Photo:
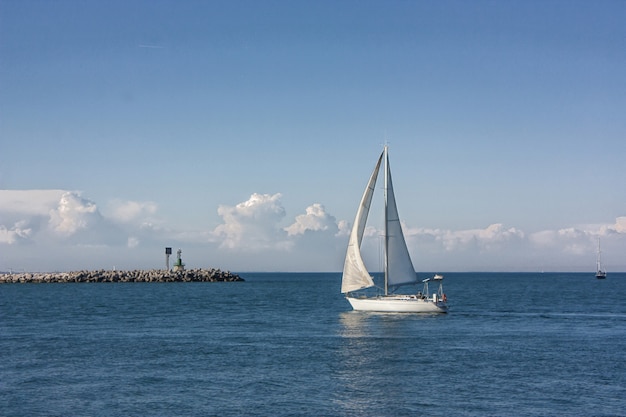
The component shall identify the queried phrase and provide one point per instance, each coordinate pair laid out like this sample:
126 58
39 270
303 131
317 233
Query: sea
288 344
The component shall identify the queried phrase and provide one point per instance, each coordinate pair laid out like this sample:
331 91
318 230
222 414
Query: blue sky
243 132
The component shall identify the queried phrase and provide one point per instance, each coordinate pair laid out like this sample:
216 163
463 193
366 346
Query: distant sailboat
600 273
398 267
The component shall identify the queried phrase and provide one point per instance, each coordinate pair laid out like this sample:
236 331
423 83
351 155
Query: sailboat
600 274
398 267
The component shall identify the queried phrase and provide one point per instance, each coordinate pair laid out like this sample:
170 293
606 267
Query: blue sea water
288 344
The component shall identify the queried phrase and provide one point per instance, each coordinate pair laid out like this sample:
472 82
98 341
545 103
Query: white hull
398 304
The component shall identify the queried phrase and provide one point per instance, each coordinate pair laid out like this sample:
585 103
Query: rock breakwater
153 275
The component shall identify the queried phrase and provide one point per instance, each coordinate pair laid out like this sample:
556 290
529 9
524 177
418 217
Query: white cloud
73 213
580 240
315 219
344 228
130 211
28 202
620 225
573 241
51 217
253 224
491 237
17 232
544 238
25 213
253 235
64 230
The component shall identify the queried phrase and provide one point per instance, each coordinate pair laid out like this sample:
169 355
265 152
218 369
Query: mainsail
399 268
355 275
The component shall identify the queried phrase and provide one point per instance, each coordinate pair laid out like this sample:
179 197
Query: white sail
599 272
397 263
400 269
355 274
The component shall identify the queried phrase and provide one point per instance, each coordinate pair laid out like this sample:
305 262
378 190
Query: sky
244 132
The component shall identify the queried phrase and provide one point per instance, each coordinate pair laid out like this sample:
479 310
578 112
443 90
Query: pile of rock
153 275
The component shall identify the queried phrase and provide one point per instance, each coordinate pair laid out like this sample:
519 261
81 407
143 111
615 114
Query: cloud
544 238
619 226
253 224
133 211
492 237
252 232
254 235
17 232
65 230
49 216
73 213
63 212
315 219
344 228
499 247
26 214
28 202
579 240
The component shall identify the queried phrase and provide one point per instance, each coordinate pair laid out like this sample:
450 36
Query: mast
386 254
598 258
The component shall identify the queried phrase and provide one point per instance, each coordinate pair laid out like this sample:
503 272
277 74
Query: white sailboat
600 273
398 267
